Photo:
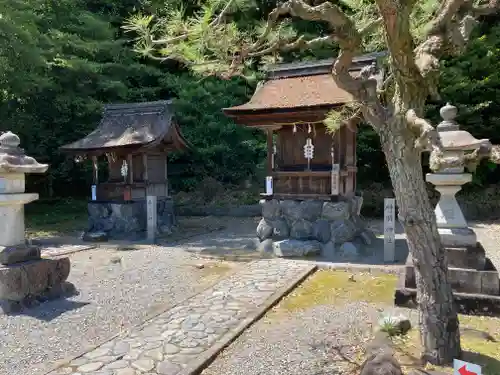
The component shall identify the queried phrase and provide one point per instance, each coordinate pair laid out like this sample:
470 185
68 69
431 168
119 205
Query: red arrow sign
463 371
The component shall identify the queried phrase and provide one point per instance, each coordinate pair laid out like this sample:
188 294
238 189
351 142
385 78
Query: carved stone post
24 275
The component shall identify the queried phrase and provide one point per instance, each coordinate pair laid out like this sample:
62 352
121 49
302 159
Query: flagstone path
179 340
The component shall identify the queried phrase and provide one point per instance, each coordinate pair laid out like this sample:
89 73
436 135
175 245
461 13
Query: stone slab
471 258
186 338
463 280
466 303
457 237
18 254
27 279
296 248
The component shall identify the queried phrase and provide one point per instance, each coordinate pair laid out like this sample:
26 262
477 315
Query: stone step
466 303
467 257
463 280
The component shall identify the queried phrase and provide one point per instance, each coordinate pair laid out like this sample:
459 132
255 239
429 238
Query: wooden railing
305 183
311 184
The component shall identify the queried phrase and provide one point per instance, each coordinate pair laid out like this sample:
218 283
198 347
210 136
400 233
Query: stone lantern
23 274
473 277
14 164
452 226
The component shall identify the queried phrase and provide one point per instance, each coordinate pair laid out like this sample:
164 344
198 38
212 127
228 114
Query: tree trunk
439 327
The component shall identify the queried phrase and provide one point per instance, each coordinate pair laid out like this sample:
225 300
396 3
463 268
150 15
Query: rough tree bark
439 328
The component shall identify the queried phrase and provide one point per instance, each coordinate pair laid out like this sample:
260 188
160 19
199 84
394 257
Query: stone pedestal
127 219
24 276
452 226
292 228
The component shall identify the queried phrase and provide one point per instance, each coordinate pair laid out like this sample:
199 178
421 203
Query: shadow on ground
241 244
50 310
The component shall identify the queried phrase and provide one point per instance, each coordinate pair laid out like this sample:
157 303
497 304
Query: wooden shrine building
290 106
135 140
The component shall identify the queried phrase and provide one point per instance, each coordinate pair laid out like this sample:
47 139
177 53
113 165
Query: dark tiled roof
301 85
128 125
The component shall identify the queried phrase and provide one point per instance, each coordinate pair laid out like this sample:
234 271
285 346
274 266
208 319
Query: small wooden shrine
135 140
304 160
310 205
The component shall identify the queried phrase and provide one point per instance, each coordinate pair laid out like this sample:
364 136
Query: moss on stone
326 287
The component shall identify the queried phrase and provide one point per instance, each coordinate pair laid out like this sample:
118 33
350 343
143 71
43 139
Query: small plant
394 325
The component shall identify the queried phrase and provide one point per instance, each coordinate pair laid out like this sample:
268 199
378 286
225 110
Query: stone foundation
469 272
23 283
299 228
128 219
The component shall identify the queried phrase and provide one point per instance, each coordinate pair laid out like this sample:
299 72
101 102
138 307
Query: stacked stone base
126 220
474 279
293 228
27 283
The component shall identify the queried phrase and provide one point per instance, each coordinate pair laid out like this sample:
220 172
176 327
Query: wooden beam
166 176
270 151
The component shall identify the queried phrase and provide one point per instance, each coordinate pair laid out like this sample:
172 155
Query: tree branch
298 44
429 139
448 34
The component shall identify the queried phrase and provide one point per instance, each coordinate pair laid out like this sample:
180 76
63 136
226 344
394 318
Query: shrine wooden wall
291 176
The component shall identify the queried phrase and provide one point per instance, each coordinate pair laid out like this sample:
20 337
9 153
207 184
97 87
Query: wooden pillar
166 176
270 151
130 169
95 170
145 167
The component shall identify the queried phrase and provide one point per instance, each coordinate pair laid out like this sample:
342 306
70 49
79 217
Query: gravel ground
118 289
316 341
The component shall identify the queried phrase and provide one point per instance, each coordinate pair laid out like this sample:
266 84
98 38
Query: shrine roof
300 85
132 124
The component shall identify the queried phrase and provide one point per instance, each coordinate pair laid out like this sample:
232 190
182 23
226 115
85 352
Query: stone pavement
181 339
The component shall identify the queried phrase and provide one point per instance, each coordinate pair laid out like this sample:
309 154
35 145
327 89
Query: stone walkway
176 341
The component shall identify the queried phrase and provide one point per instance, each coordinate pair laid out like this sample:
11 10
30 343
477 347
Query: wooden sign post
152 217
389 230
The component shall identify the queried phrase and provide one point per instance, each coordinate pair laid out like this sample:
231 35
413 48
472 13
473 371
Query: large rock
349 251
17 254
264 230
34 278
271 209
310 210
333 211
381 364
343 231
301 230
290 210
296 248
357 203
321 230
280 229
98 236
